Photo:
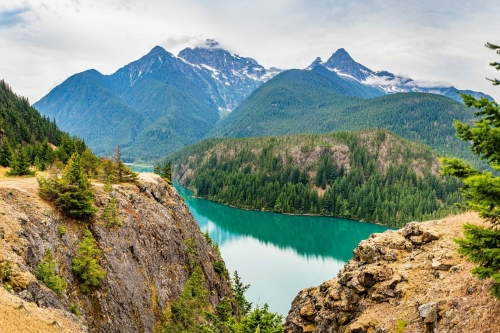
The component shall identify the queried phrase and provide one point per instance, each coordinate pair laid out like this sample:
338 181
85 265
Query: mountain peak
342 63
341 55
157 49
316 62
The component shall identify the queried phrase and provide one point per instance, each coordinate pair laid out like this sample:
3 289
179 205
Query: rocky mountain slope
342 64
410 280
147 260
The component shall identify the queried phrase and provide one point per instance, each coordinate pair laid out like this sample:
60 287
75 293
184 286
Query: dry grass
471 308
36 320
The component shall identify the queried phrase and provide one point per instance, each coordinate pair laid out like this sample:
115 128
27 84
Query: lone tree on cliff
482 189
72 193
122 172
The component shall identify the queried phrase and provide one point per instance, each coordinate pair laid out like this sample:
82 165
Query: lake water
278 255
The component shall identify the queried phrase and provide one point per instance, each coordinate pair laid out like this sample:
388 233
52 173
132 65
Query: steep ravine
146 259
410 280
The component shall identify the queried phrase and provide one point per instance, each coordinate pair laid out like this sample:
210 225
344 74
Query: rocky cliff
146 259
410 280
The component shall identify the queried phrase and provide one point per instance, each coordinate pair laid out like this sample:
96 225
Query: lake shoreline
288 214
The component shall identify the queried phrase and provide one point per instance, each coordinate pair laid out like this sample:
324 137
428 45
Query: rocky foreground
410 280
146 259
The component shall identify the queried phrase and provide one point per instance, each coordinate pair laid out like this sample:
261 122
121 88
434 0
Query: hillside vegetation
371 175
27 138
307 102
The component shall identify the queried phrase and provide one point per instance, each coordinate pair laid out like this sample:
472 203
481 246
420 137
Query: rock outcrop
146 259
410 280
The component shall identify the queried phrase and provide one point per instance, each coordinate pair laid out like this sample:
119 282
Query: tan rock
307 310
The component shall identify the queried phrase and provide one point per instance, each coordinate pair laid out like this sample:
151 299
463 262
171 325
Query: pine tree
71 194
166 172
122 172
5 152
86 263
46 272
20 163
482 188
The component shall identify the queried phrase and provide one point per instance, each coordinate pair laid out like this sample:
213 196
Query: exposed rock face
146 258
412 276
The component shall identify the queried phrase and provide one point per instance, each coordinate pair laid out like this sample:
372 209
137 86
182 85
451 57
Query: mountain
156 104
162 102
372 175
305 101
236 77
342 63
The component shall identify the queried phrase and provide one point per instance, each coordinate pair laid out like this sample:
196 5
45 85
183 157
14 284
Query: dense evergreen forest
27 138
371 175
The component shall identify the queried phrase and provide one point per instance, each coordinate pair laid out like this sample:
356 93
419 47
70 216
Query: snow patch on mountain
341 63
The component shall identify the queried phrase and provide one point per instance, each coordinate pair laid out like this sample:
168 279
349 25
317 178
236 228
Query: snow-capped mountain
236 77
342 63
156 104
226 78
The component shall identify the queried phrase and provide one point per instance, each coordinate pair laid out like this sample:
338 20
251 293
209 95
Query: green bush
110 214
7 270
61 230
72 193
75 310
46 272
186 312
86 263
219 267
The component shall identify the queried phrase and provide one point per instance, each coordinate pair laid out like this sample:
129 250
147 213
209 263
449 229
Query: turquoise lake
278 255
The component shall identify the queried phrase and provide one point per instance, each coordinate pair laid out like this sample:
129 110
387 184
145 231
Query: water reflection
278 254
309 236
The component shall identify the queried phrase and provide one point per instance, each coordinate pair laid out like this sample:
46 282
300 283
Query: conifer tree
71 194
166 172
86 263
5 152
122 172
482 188
20 163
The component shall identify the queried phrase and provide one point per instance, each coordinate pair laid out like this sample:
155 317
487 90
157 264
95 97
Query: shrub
86 263
7 270
61 230
110 214
219 267
75 310
46 272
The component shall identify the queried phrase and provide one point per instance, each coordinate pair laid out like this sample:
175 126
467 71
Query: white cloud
47 41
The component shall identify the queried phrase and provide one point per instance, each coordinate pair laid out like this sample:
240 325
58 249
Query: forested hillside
305 102
29 138
371 175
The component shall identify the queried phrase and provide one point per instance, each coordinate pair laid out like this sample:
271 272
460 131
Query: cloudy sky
44 42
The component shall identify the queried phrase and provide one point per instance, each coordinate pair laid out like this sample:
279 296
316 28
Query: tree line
264 174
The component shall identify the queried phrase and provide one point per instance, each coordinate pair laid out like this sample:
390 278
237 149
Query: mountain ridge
161 101
344 65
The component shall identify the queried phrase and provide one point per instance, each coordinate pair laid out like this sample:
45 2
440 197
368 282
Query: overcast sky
44 42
